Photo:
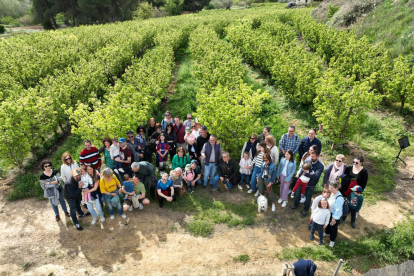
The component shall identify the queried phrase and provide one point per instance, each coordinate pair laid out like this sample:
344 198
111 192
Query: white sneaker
331 244
112 217
257 193
247 186
284 203
91 201
292 195
289 191
273 207
121 170
303 199
280 200
326 235
116 171
240 187
141 206
131 208
123 216
83 202
102 219
94 220
250 191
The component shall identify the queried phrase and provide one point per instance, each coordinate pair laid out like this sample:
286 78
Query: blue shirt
129 188
161 186
337 206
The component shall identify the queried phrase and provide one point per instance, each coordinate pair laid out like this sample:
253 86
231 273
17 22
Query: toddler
355 201
114 151
245 169
87 181
188 176
302 182
129 188
320 219
325 194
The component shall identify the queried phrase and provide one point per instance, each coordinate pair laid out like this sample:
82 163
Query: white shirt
284 172
66 171
114 151
321 216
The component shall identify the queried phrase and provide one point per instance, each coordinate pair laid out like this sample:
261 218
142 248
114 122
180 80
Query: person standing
90 156
309 141
126 155
167 119
95 194
171 138
203 138
289 141
189 121
179 129
337 211
261 138
211 154
266 178
274 152
355 174
285 172
106 150
68 164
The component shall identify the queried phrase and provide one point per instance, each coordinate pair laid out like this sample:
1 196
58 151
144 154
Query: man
314 174
167 119
133 145
309 141
211 154
289 141
189 121
139 191
203 138
90 156
124 152
227 172
144 169
179 130
73 195
197 173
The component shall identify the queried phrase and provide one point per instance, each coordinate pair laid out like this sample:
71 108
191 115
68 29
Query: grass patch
377 249
27 185
200 228
241 258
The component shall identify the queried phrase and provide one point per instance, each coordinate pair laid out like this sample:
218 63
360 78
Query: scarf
336 172
168 120
250 146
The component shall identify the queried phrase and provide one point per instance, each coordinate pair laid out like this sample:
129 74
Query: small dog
262 203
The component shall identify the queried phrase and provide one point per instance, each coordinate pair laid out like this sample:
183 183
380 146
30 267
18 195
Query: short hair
341 156
126 177
246 153
42 165
306 166
135 165
271 140
314 130
135 175
320 203
130 132
176 117
64 155
225 153
107 172
87 141
292 157
267 128
114 139
106 139
151 119
325 190
336 185
316 153
214 136
163 174
292 126
157 125
360 158
268 157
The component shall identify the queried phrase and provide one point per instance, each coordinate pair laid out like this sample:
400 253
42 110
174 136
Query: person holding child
302 182
135 198
285 171
332 229
320 219
266 178
354 175
355 201
87 182
95 195
245 169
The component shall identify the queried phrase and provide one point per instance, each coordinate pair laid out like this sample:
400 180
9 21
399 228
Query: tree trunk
334 146
402 104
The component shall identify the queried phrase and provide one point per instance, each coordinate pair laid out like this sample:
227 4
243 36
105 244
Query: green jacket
180 162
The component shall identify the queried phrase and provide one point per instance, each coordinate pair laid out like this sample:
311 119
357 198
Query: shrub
200 228
27 185
25 20
241 258
2 29
331 11
8 20
144 11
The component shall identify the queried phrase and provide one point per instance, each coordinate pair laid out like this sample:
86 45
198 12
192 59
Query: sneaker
302 199
192 189
85 214
273 207
141 206
280 200
67 214
112 217
102 219
320 243
123 216
247 186
240 187
215 190
204 187
78 227
116 171
326 235
331 244
121 170
131 208
292 195
257 193
311 236
91 201
289 191
250 191
284 204
94 221
83 202
353 224
293 207
57 218
304 213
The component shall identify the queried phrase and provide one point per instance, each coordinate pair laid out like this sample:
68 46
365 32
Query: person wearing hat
188 176
126 156
73 192
167 119
355 201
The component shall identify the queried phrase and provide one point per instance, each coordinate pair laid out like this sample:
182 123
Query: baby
114 151
188 176
302 182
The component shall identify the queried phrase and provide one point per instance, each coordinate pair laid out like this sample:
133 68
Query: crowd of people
197 159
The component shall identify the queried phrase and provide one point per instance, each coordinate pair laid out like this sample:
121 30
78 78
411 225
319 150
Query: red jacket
180 133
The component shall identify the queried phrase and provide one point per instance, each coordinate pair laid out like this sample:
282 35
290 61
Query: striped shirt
90 157
258 160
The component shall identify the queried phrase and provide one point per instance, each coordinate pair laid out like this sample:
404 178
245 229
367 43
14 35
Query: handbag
115 201
135 201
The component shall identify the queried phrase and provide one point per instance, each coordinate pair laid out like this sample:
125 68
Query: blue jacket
291 168
304 268
271 171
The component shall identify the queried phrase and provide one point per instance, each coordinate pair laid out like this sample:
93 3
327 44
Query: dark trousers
74 206
319 228
332 230
167 193
353 215
308 194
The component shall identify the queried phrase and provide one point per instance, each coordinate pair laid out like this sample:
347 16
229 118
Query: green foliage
14 8
200 228
27 185
2 29
8 20
241 258
222 4
332 10
144 11
174 7
73 144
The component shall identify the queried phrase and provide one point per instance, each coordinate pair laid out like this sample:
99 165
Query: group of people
197 159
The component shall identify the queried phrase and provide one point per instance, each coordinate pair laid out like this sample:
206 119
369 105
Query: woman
110 186
266 132
334 171
105 149
176 177
165 190
151 127
68 164
250 146
95 194
271 145
355 174
195 128
171 138
180 159
51 184
285 172
144 152
266 178
256 166
338 202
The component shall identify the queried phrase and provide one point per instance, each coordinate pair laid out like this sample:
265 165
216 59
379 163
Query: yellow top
110 186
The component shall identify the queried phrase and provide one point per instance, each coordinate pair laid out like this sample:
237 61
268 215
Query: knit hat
122 140
357 189
187 167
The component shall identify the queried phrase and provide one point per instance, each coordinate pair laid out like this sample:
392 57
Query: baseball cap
187 129
122 140
187 167
194 162
357 189
203 127
76 172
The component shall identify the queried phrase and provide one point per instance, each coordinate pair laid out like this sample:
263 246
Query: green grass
241 258
27 185
377 249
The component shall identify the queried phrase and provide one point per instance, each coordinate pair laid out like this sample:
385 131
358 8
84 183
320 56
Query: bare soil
154 241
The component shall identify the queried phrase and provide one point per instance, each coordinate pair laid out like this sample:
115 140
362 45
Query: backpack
345 208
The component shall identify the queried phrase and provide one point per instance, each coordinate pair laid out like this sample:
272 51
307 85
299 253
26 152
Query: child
325 194
355 201
320 219
245 169
302 182
129 188
188 176
87 180
114 151
162 152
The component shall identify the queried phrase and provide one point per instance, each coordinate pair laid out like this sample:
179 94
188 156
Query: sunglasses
189 118
130 136
47 166
355 162
265 160
338 160
252 138
141 131
68 158
192 126
168 115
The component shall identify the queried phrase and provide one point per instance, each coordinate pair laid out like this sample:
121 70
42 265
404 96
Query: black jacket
227 170
72 190
200 143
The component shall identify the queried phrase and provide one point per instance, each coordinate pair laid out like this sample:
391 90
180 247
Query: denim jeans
107 199
308 194
209 170
97 206
74 206
247 176
253 180
62 204
318 227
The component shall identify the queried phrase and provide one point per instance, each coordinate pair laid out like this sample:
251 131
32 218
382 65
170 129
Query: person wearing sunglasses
51 184
68 164
334 171
167 119
250 146
355 174
266 178
189 121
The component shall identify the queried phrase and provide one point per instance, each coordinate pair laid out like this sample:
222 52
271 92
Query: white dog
262 203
